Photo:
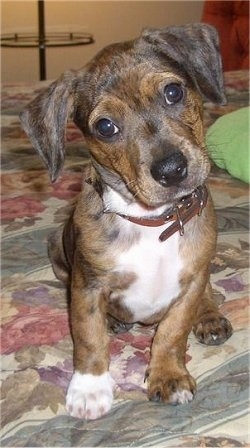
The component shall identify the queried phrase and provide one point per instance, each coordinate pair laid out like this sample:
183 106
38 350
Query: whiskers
130 185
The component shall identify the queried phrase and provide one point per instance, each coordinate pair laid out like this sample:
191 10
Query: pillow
228 143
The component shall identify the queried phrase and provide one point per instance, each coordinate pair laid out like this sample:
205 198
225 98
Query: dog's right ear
44 120
195 48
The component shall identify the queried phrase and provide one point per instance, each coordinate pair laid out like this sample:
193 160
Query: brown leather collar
182 212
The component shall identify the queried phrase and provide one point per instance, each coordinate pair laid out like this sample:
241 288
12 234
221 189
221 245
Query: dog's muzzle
171 170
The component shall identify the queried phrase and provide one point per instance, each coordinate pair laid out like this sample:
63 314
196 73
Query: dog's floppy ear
195 48
44 120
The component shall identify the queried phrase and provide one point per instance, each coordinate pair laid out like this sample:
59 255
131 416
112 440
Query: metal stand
41 37
44 40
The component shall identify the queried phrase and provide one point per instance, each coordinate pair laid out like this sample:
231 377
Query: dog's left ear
195 48
44 120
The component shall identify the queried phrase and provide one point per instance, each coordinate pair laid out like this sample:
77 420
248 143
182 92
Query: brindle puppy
139 107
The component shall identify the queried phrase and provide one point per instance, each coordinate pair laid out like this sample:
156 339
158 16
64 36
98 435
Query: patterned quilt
36 343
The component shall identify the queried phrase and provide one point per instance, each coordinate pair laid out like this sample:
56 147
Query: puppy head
139 107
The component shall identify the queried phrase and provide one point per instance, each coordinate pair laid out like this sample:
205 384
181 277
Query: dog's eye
173 93
106 128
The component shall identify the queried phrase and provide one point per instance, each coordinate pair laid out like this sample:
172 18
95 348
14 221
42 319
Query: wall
108 21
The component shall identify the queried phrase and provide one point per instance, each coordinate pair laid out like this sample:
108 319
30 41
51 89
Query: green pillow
228 143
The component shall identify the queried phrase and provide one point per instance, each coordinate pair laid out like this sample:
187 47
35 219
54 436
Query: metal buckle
180 222
199 195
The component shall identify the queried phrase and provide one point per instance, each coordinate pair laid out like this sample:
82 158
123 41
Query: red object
231 19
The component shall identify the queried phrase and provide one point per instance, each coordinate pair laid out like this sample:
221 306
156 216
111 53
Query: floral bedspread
36 344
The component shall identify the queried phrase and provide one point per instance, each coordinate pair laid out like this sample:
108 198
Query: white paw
89 396
181 396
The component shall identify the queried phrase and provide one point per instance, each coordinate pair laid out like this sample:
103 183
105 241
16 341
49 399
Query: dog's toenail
146 376
156 397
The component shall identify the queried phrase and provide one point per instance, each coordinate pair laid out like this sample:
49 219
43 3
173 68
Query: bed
36 343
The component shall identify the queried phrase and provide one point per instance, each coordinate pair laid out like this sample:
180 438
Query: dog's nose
171 170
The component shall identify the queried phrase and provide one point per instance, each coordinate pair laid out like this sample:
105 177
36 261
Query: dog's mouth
144 204
156 198
150 191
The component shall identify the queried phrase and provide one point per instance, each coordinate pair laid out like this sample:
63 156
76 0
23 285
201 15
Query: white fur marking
157 266
181 396
116 203
89 396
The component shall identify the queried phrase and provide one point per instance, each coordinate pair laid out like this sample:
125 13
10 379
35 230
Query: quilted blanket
36 343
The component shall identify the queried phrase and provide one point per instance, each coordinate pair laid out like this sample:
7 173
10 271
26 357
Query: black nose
171 170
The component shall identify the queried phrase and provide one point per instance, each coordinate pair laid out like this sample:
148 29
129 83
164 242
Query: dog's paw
213 330
173 390
90 396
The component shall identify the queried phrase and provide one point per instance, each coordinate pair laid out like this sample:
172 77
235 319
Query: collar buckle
180 222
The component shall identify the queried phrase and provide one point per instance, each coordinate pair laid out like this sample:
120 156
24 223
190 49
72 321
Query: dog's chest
156 267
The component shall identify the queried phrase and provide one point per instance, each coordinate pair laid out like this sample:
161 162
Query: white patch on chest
157 266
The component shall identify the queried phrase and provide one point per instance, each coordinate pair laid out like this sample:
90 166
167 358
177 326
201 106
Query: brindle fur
125 81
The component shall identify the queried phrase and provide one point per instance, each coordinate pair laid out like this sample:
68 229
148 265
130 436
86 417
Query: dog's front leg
90 393
167 376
